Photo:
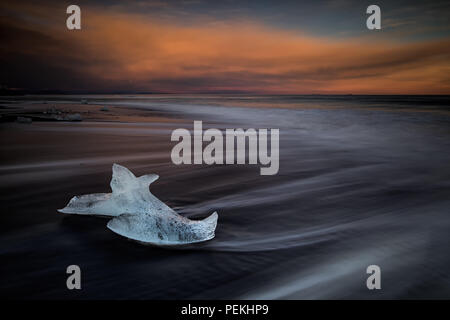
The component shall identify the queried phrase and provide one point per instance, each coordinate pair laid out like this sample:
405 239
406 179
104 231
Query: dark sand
355 187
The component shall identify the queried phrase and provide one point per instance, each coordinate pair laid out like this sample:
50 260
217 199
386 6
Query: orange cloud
145 54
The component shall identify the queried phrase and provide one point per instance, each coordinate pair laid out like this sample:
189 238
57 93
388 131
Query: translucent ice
139 215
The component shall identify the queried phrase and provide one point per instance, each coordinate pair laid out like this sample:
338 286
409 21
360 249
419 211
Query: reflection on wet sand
362 181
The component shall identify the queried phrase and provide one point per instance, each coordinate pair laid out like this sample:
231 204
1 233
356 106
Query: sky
198 46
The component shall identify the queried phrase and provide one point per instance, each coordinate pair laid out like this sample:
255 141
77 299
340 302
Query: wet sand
355 187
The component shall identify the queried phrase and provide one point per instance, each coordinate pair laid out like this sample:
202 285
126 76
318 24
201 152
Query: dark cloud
121 50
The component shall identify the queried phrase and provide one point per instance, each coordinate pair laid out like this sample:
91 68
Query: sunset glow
135 52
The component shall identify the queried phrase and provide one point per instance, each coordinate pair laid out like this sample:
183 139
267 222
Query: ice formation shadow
139 215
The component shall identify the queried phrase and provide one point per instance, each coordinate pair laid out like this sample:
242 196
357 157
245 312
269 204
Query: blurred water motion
362 180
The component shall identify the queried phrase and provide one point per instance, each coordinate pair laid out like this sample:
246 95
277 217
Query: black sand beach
363 180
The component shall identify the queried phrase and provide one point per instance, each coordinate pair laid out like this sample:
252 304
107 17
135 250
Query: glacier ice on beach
139 215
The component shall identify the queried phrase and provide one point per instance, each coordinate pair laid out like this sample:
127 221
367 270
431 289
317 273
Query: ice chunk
161 229
139 214
24 120
129 194
99 204
72 117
